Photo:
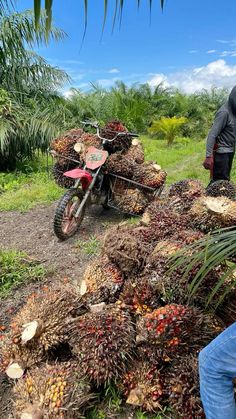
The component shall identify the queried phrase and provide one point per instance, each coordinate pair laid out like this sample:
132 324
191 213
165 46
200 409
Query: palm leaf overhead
119 5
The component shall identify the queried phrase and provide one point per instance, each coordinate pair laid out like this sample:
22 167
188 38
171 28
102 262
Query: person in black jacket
221 141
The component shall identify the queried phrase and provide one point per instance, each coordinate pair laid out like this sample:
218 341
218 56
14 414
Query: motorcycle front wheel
65 223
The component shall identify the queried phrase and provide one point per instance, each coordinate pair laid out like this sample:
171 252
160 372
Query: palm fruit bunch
187 236
171 283
209 213
175 329
64 145
182 388
89 140
143 386
102 281
125 249
52 391
187 188
41 324
133 201
149 174
121 143
120 165
161 223
222 188
140 294
136 151
183 194
103 343
58 170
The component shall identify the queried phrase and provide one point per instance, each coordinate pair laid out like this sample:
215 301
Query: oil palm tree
20 67
28 119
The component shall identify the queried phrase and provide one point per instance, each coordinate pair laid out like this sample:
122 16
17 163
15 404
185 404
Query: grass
28 187
38 189
112 405
181 161
17 268
90 247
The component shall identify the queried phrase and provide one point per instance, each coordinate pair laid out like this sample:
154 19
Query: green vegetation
118 10
36 189
137 106
29 104
170 127
180 161
17 268
90 247
212 250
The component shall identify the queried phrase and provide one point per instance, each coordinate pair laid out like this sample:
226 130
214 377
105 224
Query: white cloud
215 74
113 71
228 53
211 51
193 51
159 79
67 94
223 41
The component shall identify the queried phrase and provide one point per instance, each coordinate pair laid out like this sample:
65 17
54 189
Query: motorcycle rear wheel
65 224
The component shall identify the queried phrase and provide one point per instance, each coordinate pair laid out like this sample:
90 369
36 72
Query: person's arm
219 124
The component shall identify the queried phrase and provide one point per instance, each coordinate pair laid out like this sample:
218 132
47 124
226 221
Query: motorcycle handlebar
95 125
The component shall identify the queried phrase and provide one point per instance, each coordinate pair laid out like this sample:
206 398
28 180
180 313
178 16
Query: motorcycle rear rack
113 198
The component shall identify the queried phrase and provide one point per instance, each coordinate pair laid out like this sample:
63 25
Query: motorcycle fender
85 177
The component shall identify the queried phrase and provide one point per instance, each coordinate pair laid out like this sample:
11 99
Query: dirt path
32 232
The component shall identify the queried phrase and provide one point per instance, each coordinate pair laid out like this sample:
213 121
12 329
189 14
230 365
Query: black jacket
222 135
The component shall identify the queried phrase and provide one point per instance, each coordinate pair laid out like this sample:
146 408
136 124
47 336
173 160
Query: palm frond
209 253
17 33
49 5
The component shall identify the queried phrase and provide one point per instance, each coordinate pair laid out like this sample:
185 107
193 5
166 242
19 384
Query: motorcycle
93 185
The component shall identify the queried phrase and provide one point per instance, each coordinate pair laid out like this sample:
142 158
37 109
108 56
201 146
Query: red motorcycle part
95 158
86 177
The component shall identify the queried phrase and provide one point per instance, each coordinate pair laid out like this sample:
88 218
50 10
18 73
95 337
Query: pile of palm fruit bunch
127 160
70 150
129 325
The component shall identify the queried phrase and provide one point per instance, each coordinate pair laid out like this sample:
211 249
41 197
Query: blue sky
191 45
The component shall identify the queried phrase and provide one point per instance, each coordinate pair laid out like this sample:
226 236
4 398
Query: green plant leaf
37 13
48 8
105 15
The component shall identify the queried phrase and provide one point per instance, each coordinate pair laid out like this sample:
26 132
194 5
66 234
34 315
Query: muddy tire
65 225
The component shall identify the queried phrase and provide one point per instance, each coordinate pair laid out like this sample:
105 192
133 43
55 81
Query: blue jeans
217 368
